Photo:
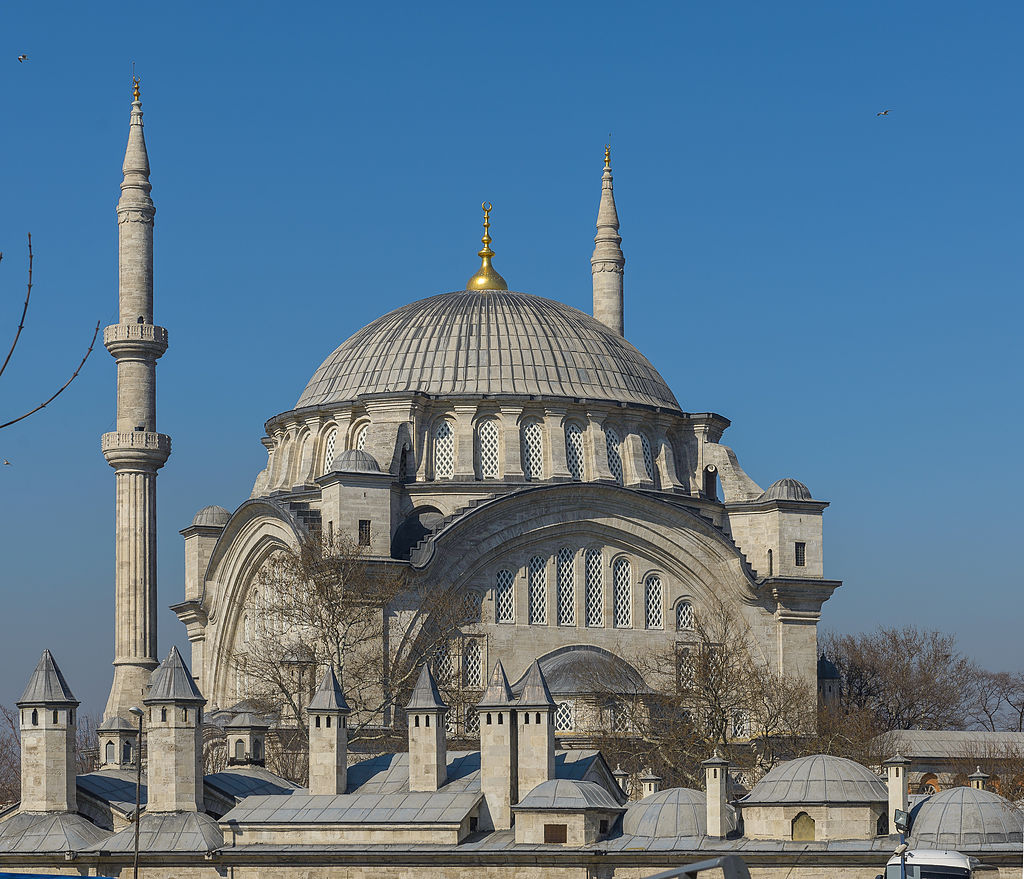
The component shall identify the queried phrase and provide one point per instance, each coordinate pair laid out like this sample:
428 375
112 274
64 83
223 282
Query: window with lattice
360 438
645 444
566 587
653 598
574 450
611 441
565 716
685 619
450 723
594 588
622 596
740 724
533 451
444 451
330 444
504 597
444 668
472 722
685 675
473 607
487 437
538 591
473 664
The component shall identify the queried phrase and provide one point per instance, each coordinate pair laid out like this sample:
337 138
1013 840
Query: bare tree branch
24 309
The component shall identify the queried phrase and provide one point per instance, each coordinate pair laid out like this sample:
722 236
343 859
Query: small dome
212 515
246 720
563 794
819 778
827 670
962 817
355 461
670 813
786 490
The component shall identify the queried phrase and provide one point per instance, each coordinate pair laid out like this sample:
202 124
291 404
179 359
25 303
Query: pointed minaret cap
47 685
535 689
607 239
498 693
172 682
424 695
136 158
329 695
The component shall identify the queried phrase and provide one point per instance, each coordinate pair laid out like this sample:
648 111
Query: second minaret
608 264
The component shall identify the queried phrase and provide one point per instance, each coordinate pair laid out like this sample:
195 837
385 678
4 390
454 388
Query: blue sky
846 288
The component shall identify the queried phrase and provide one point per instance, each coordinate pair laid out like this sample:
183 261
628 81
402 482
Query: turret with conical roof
535 730
48 726
428 748
498 753
607 264
328 737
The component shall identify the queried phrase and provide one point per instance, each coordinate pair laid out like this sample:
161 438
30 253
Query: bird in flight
7 463
883 113
22 58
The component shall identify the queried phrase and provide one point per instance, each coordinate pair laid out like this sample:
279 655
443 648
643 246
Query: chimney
498 752
978 779
535 728
327 715
716 777
428 750
896 778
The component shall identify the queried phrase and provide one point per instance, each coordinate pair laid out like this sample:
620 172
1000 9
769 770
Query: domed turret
212 516
786 490
671 813
819 778
355 461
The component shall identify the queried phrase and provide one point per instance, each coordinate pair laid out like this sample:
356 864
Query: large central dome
471 343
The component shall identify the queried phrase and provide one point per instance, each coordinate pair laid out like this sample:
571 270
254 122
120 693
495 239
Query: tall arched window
648 456
330 444
359 441
771 564
622 593
533 450
574 450
611 442
246 629
653 599
684 616
504 598
538 591
487 437
565 716
109 752
473 664
594 588
566 587
444 451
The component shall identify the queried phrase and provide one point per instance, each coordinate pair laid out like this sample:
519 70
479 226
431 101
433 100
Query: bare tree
17 337
10 757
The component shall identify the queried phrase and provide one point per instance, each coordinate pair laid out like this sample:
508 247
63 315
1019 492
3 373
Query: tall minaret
135 450
607 263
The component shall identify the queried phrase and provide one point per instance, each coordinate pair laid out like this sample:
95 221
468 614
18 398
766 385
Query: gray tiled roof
173 682
672 813
786 490
168 832
945 743
246 781
425 695
329 696
212 516
47 685
247 720
562 794
533 689
114 786
51 832
498 343
962 817
498 692
583 668
819 778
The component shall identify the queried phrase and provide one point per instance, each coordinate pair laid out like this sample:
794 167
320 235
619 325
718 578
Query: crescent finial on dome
486 278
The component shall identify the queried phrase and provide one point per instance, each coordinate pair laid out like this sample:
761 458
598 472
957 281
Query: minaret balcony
135 447
135 340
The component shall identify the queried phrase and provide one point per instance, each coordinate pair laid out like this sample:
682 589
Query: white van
924 863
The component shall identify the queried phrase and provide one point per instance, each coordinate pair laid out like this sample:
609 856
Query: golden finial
486 278
607 155
135 87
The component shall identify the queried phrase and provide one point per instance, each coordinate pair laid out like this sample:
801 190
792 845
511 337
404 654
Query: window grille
574 450
472 722
684 669
487 433
685 620
473 664
566 587
801 554
533 452
364 532
504 598
443 664
565 716
653 602
473 607
648 457
594 589
538 591
361 437
329 447
246 629
611 441
450 723
617 717
741 724
444 451
622 594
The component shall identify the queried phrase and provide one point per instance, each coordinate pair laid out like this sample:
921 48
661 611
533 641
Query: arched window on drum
574 450
533 450
330 449
613 445
444 451
487 443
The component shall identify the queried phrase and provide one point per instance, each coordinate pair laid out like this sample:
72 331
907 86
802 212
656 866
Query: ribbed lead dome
499 343
819 778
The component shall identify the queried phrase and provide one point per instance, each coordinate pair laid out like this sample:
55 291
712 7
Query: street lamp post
138 713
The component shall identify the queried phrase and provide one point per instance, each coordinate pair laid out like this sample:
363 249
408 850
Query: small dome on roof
962 817
245 720
827 669
786 490
355 461
212 515
819 778
670 813
563 794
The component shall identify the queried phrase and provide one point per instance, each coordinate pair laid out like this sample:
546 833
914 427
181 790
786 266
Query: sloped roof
173 682
535 690
329 696
563 794
944 743
425 696
246 781
30 832
167 832
584 668
498 693
47 685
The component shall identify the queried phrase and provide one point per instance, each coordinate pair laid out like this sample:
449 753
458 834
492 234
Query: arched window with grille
645 445
566 587
533 450
613 445
504 597
473 606
444 451
487 440
622 593
594 588
653 600
538 588
473 664
565 716
443 665
109 752
685 676
359 440
684 616
246 629
574 450
330 446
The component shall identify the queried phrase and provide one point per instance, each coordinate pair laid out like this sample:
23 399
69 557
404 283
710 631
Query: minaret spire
606 265
135 450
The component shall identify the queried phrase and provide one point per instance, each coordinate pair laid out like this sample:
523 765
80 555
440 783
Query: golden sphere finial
607 155
486 278
135 87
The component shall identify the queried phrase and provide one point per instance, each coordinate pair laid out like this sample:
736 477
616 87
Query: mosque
524 457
